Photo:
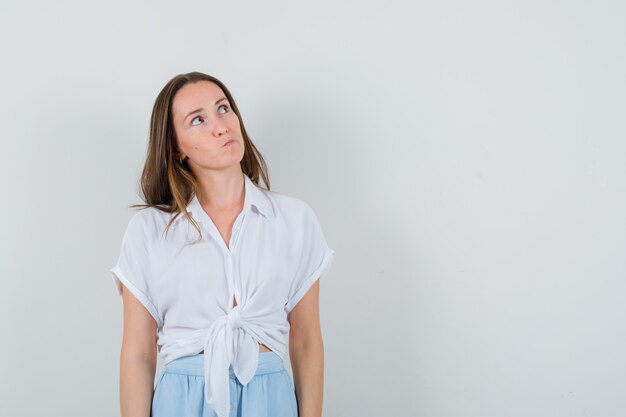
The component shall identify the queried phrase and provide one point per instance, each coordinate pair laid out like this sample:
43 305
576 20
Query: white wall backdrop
467 161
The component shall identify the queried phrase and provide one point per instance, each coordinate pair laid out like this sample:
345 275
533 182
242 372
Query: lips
228 142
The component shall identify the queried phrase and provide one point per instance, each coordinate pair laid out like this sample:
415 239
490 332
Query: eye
197 117
224 105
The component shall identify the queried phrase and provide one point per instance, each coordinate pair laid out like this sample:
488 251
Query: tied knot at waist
233 318
231 348
228 342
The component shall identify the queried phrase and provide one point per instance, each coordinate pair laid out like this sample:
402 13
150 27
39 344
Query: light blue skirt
180 390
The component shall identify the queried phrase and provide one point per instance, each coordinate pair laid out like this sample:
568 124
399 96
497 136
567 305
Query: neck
222 190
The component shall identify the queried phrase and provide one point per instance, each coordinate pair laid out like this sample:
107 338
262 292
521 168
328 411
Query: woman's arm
306 352
137 358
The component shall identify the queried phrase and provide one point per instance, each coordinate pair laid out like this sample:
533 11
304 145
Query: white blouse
276 252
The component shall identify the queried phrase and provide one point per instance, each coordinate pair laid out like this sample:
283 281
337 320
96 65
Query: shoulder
146 222
295 217
289 208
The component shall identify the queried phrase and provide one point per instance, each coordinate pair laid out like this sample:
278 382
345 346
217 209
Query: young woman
216 273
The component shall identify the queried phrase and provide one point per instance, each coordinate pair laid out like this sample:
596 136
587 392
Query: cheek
234 124
194 145
206 149
185 143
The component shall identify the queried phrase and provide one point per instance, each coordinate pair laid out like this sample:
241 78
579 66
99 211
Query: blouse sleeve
314 261
133 267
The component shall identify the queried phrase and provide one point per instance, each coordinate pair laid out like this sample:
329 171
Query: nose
220 128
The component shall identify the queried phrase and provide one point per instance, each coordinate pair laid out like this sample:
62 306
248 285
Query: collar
254 196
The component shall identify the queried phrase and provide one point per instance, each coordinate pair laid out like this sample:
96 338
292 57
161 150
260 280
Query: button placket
230 258
236 230
231 279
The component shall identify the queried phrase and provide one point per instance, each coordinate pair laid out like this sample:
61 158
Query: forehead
192 96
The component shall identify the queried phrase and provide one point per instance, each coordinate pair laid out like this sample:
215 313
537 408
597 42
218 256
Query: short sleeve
314 261
133 265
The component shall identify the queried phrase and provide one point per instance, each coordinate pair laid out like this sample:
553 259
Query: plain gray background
465 159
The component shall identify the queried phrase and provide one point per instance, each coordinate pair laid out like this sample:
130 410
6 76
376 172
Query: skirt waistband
194 365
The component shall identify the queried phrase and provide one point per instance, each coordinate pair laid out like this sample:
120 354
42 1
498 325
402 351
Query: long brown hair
168 184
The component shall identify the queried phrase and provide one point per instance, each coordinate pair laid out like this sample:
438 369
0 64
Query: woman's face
207 129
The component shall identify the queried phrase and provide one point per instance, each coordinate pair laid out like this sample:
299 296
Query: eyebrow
202 108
